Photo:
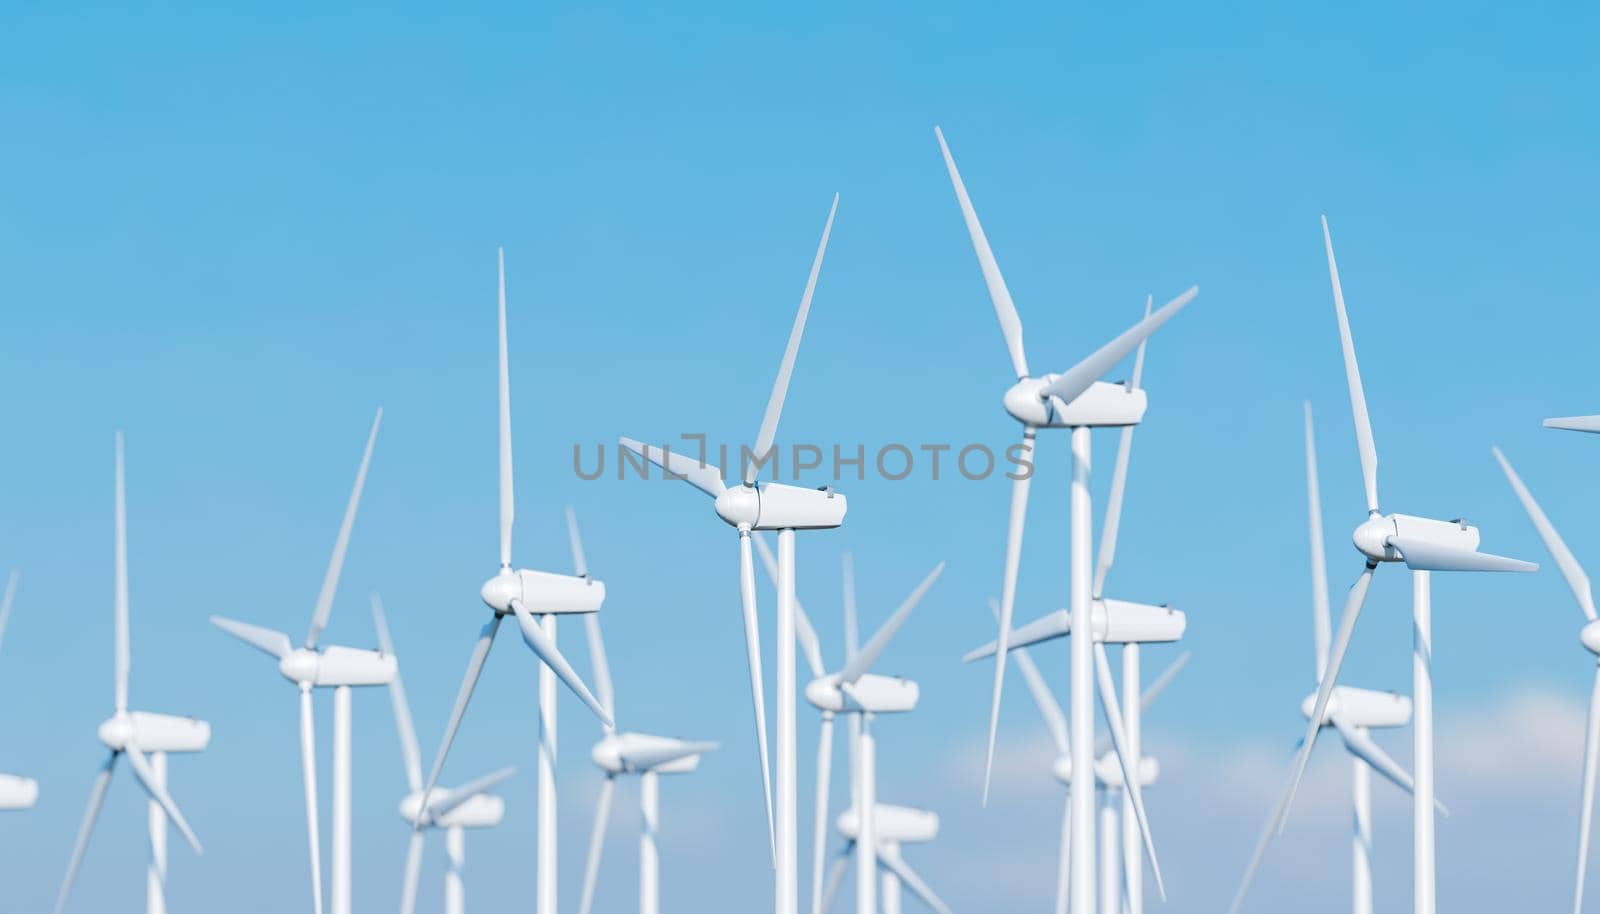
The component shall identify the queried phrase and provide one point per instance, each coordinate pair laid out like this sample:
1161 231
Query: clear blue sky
235 234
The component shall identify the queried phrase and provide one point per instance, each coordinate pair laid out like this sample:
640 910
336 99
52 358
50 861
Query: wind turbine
1353 712
1425 546
893 826
1074 399
453 810
1588 636
535 598
640 754
16 792
773 506
333 666
135 733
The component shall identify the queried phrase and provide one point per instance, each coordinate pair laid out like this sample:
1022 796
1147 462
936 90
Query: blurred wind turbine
16 792
647 756
535 598
1074 399
454 810
335 667
773 506
1424 545
893 826
134 733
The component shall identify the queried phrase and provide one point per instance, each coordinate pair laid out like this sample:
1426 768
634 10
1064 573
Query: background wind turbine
535 598
1425 546
893 826
640 754
453 810
1588 636
1074 399
1353 712
783 508
16 792
335 667
135 733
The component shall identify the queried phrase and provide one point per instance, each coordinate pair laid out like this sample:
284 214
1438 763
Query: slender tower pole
455 894
788 898
1082 696
649 863
1110 856
545 868
156 879
1132 708
1064 861
1361 874
866 837
1422 736
339 874
891 882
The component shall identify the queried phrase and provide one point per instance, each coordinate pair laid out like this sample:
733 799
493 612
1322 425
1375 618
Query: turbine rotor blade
1575 423
413 871
443 806
1260 852
1068 385
859 664
1321 625
1130 766
897 865
5 603
580 564
1352 375
703 476
597 841
1362 746
1577 580
780 387
330 580
1591 765
835 876
852 630
544 646
1110 527
97 797
480 653
1050 709
122 655
308 774
270 642
157 792
1420 555
409 751
602 668
752 646
1008 596
508 496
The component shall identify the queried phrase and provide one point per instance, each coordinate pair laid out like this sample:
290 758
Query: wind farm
833 598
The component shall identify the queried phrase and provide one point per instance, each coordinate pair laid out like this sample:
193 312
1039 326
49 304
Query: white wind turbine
332 666
135 733
1074 399
772 506
893 826
16 792
1588 636
640 754
1424 545
452 810
1353 712
535 598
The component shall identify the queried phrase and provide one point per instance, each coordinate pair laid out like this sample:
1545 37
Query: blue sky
234 234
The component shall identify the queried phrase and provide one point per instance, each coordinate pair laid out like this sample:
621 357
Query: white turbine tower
1074 399
1425 546
535 598
135 733
332 666
1588 636
451 810
1353 712
16 792
640 754
773 506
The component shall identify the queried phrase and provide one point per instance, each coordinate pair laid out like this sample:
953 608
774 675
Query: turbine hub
1372 538
500 590
1026 402
300 666
740 506
116 733
607 755
1062 769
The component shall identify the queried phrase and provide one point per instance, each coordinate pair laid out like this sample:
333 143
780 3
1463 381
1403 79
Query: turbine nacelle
1375 536
543 592
18 792
154 732
480 810
634 753
902 824
1361 708
1103 405
774 506
871 694
337 666
1108 771
1115 622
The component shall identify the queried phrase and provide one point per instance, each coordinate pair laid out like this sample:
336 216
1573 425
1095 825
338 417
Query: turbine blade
703 476
1341 644
819 831
444 805
1575 423
1352 376
1004 310
780 387
1424 556
1577 580
308 774
1056 624
122 657
330 580
1110 527
409 751
1130 767
1591 763
540 642
276 644
1160 683
1050 709
508 495
1362 746
602 668
1321 625
597 842
752 647
1008 596
97 797
408 888
803 632
5 603
880 640
1260 852
852 631
480 653
157 792
1075 380
897 865
580 564
835 876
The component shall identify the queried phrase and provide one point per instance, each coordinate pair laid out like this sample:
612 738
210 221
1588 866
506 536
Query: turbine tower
1076 400
134 734
331 667
16 792
748 507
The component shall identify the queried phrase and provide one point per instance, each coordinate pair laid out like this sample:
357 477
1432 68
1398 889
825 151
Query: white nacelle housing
1362 707
1108 771
1115 622
893 823
629 753
1102 405
18 792
774 506
542 592
871 693
480 810
1372 537
155 732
